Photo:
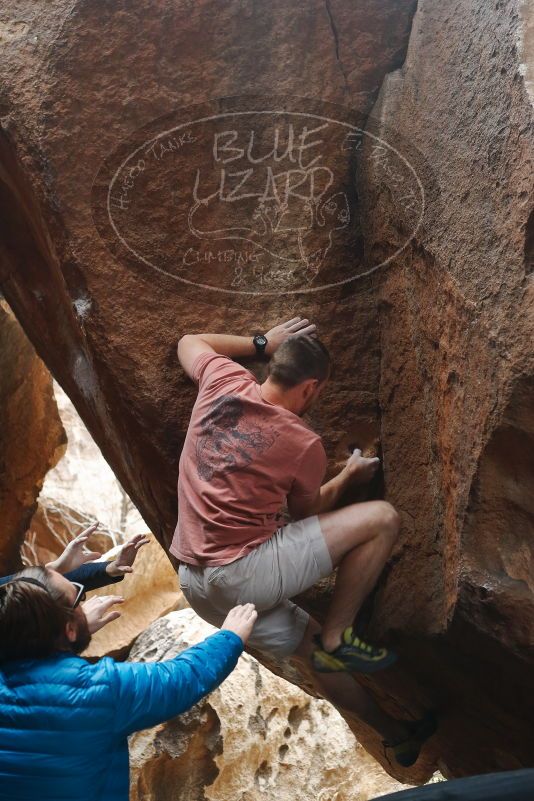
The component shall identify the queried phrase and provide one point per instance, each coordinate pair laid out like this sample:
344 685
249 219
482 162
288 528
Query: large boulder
108 256
106 328
256 737
32 438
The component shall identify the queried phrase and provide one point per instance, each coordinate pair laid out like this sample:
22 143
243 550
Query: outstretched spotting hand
297 326
123 562
360 468
76 554
97 611
241 621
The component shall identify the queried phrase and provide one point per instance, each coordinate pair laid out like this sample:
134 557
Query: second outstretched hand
123 562
98 611
241 620
76 554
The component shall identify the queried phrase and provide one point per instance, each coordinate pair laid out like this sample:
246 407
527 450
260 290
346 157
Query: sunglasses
80 595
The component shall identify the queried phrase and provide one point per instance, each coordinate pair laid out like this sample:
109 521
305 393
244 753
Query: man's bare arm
325 500
191 346
358 470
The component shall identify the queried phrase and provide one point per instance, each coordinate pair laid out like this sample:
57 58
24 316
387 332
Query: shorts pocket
183 577
216 575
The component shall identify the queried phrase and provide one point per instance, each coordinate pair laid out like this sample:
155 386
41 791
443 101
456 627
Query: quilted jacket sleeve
150 693
93 575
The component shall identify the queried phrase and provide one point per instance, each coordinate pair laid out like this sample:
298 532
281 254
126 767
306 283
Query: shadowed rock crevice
335 36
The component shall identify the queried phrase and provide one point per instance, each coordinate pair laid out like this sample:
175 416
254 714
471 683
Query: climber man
247 452
64 722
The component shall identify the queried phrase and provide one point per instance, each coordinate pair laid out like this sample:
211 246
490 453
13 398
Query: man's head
299 369
37 616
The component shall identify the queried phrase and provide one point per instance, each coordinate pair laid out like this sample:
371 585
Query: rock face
256 737
108 331
106 264
32 438
456 318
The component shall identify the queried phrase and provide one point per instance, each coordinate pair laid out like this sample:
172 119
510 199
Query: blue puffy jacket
64 722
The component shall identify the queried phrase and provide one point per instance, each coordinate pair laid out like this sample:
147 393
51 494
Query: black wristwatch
260 343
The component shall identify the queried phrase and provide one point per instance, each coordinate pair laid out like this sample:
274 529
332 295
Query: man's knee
388 521
384 519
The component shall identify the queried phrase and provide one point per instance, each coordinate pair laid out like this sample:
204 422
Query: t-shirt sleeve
311 472
209 367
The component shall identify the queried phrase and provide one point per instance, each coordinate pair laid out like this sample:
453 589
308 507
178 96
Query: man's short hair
298 359
33 615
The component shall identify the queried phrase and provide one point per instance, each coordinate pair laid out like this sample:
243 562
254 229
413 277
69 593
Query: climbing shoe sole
353 656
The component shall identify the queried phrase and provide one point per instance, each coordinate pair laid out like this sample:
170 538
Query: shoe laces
352 639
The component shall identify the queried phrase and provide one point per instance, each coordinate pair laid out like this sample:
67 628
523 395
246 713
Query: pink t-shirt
241 459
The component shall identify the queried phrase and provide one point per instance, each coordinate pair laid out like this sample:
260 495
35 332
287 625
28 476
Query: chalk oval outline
209 287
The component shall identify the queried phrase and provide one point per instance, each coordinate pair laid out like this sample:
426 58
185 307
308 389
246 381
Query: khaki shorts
291 561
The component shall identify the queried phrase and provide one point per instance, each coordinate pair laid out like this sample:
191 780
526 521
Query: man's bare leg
360 538
345 693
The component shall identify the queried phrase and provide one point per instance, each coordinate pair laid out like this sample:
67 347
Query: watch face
260 340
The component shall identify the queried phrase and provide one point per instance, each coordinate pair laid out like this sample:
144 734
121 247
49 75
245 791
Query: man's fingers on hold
310 329
300 325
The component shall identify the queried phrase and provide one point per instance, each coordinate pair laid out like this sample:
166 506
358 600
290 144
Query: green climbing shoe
353 656
406 752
